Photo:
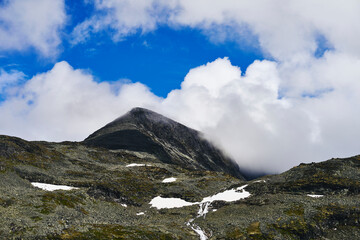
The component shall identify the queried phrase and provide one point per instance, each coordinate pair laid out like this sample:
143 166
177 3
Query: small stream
231 195
203 210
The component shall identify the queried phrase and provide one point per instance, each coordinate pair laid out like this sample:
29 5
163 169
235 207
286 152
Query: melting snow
140 213
315 196
135 165
259 181
51 187
159 203
228 196
168 180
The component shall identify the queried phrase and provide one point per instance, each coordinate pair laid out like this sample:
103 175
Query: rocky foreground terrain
144 176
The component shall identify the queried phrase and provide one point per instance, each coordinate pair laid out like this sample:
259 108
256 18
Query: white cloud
285 29
32 24
243 114
123 18
67 104
246 118
263 131
9 79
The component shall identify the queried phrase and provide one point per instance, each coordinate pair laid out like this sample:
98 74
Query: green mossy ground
112 232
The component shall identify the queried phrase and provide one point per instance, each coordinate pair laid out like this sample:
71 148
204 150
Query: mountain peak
143 114
140 110
143 130
134 119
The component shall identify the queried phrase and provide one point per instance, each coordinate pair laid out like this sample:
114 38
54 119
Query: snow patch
259 181
140 213
124 205
315 196
51 187
229 195
136 165
169 180
159 203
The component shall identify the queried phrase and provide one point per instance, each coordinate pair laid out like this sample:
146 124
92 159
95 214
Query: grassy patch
113 232
53 199
296 210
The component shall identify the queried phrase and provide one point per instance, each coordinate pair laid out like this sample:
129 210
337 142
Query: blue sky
272 83
159 59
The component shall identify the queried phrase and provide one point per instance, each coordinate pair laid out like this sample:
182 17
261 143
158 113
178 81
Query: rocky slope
143 130
116 189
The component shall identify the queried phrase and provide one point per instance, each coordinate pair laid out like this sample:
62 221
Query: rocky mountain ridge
171 142
134 193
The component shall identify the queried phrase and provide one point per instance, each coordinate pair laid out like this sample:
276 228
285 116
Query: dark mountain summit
143 130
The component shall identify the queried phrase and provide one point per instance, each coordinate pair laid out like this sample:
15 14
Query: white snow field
227 196
135 165
315 196
169 180
51 187
160 202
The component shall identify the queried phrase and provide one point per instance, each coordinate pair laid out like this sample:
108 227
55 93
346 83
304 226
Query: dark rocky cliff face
146 131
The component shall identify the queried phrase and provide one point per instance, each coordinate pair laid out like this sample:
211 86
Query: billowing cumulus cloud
244 114
32 24
257 125
67 104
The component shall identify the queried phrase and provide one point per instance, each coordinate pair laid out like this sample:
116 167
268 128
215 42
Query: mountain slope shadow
171 142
